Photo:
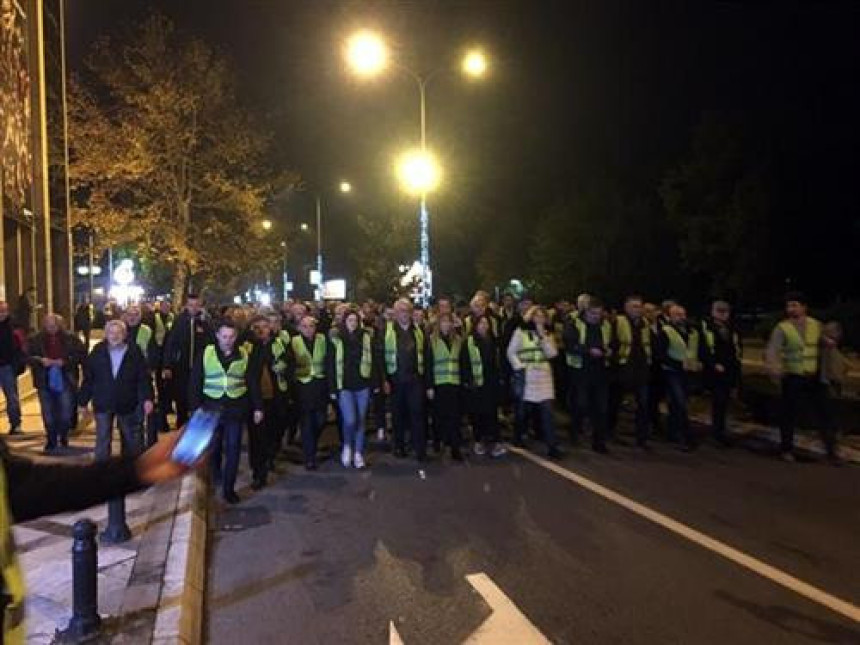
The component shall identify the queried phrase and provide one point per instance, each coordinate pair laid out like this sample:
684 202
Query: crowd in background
450 379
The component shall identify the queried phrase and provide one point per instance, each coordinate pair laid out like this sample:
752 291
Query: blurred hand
719 369
148 408
258 416
430 393
166 374
156 466
596 352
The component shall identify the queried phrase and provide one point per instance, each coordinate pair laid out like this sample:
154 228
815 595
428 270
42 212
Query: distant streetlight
267 224
304 227
419 172
366 53
345 187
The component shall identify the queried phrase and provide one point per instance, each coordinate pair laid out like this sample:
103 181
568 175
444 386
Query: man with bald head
55 356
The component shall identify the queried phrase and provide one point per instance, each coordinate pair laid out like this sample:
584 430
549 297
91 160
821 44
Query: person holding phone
227 377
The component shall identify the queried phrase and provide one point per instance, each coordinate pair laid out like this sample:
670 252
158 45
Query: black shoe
600 448
258 483
834 460
50 448
311 465
687 447
400 453
16 430
421 457
231 497
518 442
554 453
644 447
456 455
64 443
437 447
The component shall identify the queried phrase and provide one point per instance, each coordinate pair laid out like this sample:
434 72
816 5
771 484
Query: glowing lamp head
267 224
419 172
475 64
345 187
366 53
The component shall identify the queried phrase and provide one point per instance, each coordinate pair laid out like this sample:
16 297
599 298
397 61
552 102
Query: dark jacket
122 394
152 350
36 489
725 352
75 352
353 346
178 355
11 351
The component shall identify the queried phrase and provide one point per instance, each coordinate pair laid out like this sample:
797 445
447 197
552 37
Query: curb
179 616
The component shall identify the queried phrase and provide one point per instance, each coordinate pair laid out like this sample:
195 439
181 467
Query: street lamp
367 55
267 224
345 187
419 172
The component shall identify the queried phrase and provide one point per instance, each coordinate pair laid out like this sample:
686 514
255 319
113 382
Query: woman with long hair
444 384
482 376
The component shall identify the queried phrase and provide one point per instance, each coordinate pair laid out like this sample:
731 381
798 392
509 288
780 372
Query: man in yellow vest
632 358
311 355
678 353
404 347
721 355
588 342
793 358
227 377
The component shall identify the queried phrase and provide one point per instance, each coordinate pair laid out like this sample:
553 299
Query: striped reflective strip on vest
800 355
624 332
531 353
364 367
218 382
279 354
14 629
391 349
575 360
144 336
475 362
161 328
309 367
446 362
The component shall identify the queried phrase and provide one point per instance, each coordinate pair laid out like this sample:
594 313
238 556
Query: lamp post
367 55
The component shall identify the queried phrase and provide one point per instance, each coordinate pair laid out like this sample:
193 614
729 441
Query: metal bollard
117 530
85 619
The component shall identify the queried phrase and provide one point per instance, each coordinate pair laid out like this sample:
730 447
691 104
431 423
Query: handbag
56 382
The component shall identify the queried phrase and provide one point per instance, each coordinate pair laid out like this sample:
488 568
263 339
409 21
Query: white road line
393 634
507 625
843 607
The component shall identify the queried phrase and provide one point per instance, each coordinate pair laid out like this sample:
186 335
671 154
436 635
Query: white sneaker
358 460
346 457
479 449
498 451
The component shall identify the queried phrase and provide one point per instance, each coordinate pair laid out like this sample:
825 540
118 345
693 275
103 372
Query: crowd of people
450 376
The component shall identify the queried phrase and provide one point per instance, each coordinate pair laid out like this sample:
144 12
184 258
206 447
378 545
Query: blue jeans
9 384
57 410
353 411
227 446
130 433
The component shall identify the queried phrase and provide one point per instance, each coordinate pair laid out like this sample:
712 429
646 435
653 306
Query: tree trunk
180 277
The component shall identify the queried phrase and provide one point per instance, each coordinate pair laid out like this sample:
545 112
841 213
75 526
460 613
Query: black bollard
85 619
117 530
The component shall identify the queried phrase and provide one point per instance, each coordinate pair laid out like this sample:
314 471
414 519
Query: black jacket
75 352
39 488
121 395
178 355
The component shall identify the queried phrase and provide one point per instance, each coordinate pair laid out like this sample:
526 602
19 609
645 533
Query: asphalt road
336 556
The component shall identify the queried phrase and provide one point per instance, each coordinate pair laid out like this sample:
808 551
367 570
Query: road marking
843 607
507 624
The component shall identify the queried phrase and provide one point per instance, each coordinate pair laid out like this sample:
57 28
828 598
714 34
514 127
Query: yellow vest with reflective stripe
800 355
309 367
624 333
575 360
530 352
475 361
279 354
391 349
446 362
218 382
686 352
14 629
161 328
366 357
144 335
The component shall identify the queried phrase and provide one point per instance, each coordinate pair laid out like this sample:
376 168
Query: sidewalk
142 584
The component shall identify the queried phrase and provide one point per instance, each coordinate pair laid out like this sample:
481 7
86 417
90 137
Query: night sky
579 90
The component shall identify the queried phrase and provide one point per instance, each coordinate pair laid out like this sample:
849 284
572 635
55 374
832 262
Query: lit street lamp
367 55
345 187
419 172
267 224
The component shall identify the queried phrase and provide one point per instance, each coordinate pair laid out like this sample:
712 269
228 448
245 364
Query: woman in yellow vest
482 381
793 359
30 489
443 376
353 372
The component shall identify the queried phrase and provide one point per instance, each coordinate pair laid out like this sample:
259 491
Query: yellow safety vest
309 367
475 361
364 367
575 360
711 341
14 629
279 353
624 333
686 352
446 362
391 349
144 336
218 382
800 355
162 327
530 352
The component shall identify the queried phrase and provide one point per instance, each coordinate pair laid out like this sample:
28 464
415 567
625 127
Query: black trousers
721 392
408 415
380 402
484 407
592 401
179 391
262 437
620 386
677 389
806 389
448 416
